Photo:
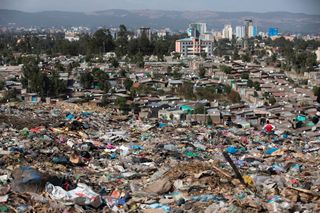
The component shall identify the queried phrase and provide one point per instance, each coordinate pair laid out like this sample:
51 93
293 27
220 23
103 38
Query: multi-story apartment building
194 47
227 32
240 32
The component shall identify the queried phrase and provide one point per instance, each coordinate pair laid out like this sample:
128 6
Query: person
316 118
268 128
228 121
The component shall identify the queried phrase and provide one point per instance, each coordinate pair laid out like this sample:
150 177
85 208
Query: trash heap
61 159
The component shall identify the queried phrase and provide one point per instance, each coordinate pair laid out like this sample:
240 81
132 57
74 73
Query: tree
54 85
123 73
2 84
186 91
316 92
145 46
272 100
102 41
101 78
128 83
256 85
226 69
122 41
33 79
121 103
202 71
114 62
234 96
244 76
86 80
199 109
250 83
246 58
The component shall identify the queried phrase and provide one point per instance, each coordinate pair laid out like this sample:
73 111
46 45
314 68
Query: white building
71 36
240 31
227 32
318 54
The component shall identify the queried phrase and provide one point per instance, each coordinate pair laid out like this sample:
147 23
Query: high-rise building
144 30
227 32
273 32
240 31
252 31
200 27
248 23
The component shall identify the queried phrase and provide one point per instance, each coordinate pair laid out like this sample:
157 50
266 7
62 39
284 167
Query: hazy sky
305 6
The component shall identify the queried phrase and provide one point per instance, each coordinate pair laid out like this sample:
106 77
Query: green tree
2 84
246 58
256 85
226 69
272 100
101 78
202 71
128 84
122 104
102 41
86 80
114 62
245 75
199 109
122 41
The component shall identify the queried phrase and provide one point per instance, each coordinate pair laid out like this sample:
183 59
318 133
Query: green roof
185 39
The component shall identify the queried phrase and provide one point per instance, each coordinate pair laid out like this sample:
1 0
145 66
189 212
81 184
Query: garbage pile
55 159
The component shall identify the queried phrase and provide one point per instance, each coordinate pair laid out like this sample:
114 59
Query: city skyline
294 6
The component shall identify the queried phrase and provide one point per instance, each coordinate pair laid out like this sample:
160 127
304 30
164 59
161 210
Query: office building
227 32
252 31
194 47
240 31
144 30
200 27
273 32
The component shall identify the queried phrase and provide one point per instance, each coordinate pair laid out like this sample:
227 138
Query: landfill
70 158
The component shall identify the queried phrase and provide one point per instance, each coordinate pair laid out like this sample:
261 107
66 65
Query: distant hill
176 20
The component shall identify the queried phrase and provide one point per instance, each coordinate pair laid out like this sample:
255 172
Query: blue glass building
273 32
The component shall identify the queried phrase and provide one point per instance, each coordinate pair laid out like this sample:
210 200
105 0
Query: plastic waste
165 208
231 150
270 151
82 195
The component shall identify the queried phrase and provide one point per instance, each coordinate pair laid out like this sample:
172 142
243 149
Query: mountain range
175 20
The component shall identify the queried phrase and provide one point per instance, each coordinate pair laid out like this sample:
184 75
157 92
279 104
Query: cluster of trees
95 79
102 41
45 84
298 54
210 93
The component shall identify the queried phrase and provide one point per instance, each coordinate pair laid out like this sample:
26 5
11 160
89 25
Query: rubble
68 160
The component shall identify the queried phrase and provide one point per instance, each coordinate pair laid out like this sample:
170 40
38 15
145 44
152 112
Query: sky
303 6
